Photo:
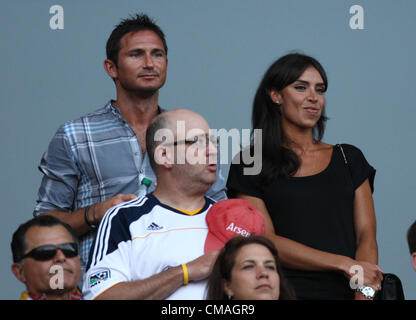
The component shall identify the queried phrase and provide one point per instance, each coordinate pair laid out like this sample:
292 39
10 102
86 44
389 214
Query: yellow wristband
185 274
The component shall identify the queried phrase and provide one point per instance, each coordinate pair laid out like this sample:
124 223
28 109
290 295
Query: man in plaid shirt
99 160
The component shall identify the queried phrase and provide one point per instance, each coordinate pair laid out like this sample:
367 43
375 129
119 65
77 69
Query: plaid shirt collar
117 113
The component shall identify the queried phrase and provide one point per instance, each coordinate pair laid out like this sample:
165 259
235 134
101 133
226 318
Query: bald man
153 246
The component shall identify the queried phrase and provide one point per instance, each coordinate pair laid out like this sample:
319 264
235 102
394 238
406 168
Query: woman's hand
371 274
363 273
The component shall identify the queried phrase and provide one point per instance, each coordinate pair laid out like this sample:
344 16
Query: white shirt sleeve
110 258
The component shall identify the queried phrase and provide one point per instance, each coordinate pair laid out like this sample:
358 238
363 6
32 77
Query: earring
230 297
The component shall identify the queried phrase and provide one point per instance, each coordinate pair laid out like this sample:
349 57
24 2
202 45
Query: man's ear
164 156
275 96
111 68
414 260
17 269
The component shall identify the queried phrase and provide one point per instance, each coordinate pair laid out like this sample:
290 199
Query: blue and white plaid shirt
92 159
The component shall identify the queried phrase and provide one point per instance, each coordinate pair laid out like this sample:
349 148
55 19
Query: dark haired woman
248 269
316 198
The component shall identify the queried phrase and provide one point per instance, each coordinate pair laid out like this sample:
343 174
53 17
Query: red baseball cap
229 218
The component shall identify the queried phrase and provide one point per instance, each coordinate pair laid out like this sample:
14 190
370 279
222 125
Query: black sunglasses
47 252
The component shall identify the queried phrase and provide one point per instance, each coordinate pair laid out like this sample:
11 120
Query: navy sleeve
359 167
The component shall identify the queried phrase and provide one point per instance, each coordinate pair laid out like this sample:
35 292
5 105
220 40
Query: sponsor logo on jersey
233 228
154 227
99 277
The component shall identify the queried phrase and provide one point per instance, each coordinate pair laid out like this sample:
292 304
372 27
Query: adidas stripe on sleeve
109 261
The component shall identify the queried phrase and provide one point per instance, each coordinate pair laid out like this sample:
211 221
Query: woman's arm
298 256
365 224
365 231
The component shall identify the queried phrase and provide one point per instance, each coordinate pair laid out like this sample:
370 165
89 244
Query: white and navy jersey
144 237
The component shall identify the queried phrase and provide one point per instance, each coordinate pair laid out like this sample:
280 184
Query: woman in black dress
316 198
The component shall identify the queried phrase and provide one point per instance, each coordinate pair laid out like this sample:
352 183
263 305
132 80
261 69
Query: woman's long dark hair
225 262
277 160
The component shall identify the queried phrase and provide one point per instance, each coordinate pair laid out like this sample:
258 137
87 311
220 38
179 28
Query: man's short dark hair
411 238
135 23
19 245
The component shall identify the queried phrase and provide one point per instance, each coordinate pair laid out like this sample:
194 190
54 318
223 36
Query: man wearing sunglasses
46 260
153 247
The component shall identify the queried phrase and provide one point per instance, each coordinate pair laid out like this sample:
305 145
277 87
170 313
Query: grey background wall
218 52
